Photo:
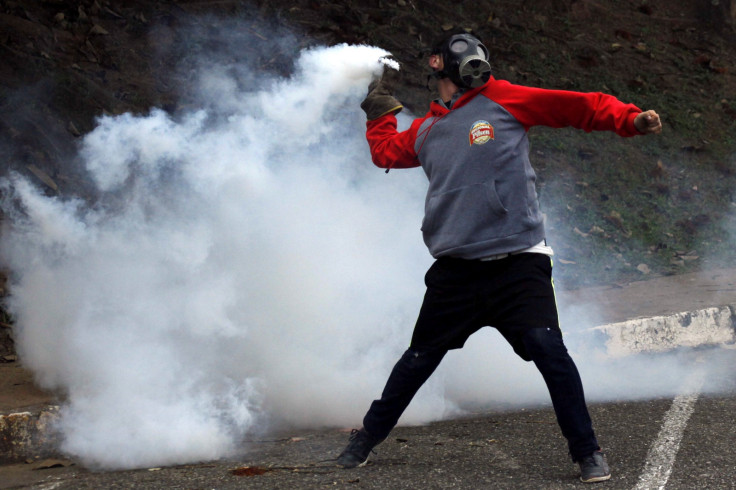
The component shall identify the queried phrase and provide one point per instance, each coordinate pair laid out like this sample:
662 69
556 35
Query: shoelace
364 441
589 461
353 436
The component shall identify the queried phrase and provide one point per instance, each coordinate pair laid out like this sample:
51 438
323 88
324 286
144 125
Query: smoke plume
244 269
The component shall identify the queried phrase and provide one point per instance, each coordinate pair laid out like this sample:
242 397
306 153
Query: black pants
514 295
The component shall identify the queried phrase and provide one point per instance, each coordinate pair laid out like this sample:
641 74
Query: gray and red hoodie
482 198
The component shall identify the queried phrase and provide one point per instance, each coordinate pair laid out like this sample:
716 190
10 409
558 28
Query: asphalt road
680 442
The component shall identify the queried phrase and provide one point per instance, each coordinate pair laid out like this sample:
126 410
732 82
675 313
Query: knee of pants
419 361
544 342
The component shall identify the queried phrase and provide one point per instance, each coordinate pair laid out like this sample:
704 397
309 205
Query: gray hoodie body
482 197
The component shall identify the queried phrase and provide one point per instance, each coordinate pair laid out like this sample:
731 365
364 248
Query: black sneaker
358 449
594 468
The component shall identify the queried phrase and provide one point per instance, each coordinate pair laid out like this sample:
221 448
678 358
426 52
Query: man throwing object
484 227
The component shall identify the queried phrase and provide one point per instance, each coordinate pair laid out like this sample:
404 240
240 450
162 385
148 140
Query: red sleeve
593 111
390 148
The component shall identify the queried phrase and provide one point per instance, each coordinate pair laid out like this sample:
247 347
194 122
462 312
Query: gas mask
465 61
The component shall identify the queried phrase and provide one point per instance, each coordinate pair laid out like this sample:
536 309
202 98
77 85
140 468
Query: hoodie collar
459 99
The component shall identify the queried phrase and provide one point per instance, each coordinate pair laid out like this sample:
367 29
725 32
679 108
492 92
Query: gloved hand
380 99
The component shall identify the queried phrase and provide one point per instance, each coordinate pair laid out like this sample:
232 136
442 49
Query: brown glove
380 99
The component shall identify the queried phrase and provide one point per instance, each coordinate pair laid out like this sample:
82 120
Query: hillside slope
617 210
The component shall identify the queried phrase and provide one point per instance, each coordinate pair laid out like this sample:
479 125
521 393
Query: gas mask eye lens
482 52
459 46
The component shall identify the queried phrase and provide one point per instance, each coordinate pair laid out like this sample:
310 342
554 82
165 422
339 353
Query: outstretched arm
592 111
648 122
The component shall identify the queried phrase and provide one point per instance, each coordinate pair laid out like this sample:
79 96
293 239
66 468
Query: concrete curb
27 436
708 326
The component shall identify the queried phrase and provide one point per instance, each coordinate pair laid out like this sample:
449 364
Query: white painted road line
661 456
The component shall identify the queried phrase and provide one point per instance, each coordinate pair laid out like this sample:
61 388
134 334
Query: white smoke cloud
246 268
